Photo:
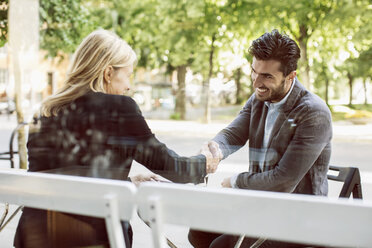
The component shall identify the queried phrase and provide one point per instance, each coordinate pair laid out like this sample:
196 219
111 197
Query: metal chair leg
258 243
239 242
6 210
11 217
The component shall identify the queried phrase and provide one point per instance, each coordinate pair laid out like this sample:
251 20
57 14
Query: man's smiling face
268 81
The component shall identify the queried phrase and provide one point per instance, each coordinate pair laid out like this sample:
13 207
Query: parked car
7 107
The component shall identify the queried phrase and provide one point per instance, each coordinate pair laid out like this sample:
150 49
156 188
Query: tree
212 30
359 33
136 23
359 67
63 24
301 18
180 28
162 34
365 70
24 44
165 33
244 24
356 43
4 5
325 56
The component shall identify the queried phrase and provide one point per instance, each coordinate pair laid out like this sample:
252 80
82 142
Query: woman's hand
138 179
213 154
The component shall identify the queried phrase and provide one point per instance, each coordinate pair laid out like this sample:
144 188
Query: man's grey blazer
299 148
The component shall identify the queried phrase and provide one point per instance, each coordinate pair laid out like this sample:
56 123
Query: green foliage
338 116
4 4
180 29
364 107
360 66
63 24
175 116
357 113
138 23
172 33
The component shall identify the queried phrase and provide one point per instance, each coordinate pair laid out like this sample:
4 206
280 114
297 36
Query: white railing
112 200
279 216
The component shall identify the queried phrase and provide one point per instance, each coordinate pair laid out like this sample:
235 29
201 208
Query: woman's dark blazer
100 131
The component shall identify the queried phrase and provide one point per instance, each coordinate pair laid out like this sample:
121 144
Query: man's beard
278 94
275 94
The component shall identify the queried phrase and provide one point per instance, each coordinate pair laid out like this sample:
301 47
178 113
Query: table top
117 173
92 171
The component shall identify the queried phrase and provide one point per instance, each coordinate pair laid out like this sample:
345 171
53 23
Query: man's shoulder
301 97
253 102
313 102
310 107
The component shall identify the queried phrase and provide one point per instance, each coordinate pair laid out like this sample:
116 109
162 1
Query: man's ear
292 75
107 74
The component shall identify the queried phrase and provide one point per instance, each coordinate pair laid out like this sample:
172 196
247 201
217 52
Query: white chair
112 200
278 216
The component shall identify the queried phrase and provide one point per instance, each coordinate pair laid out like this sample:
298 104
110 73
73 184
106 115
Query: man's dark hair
278 47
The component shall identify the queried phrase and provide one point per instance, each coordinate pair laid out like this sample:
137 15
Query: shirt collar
281 102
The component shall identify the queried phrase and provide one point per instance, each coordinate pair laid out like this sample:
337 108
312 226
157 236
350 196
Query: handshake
210 150
213 154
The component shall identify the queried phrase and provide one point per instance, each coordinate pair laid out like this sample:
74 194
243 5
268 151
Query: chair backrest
350 177
280 216
113 200
9 155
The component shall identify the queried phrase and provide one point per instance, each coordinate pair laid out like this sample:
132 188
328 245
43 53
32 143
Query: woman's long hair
96 52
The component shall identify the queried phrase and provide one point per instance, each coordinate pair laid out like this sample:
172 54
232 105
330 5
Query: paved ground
186 137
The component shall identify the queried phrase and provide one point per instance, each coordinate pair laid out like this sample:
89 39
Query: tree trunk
238 86
22 151
207 104
350 77
326 90
23 18
365 91
304 61
180 108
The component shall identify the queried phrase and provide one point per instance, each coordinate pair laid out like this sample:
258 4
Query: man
288 128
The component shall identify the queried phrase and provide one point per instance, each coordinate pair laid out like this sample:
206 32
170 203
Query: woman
90 123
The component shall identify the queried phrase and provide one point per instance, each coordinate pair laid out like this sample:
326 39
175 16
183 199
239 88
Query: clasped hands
210 150
213 154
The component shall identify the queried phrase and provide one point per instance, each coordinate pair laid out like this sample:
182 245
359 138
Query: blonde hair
96 52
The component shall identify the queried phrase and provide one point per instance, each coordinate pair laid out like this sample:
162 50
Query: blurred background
193 54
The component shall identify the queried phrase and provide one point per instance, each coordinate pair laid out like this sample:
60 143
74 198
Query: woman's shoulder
107 101
99 96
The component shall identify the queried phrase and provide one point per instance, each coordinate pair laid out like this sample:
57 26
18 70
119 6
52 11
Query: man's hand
226 183
213 153
138 179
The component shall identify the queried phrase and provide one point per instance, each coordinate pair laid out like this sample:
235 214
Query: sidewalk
341 130
350 132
